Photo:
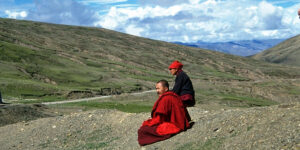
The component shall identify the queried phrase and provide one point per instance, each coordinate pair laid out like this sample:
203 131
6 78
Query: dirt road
92 98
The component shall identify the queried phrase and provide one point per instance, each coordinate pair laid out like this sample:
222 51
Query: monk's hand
152 122
147 122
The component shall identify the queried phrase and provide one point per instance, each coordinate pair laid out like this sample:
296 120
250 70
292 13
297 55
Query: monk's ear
166 89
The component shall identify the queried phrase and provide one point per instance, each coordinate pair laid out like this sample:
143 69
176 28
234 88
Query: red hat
176 65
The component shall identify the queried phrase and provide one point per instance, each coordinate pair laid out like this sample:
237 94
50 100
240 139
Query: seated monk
168 117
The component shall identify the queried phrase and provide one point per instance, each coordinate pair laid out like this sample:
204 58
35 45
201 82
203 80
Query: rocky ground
10 114
274 127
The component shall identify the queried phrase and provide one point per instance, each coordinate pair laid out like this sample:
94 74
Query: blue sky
168 20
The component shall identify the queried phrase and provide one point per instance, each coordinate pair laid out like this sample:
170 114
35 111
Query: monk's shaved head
162 86
164 83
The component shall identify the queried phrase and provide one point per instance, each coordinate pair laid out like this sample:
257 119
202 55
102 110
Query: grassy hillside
287 52
50 62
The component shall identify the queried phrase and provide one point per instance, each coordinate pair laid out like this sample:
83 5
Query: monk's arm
154 121
178 85
161 113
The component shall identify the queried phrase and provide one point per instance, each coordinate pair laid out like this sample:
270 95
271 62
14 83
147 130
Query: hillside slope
274 127
53 62
287 52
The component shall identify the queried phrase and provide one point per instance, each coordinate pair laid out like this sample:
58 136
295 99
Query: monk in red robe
168 117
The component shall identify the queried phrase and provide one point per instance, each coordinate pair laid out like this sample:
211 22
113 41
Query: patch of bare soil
12 113
274 127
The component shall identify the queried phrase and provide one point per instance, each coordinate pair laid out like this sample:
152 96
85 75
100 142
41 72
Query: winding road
92 98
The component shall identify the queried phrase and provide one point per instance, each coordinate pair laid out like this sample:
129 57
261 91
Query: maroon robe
168 118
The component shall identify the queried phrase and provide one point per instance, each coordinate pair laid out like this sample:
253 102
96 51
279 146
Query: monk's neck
165 93
180 70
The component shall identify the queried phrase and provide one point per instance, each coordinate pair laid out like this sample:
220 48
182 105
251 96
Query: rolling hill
287 52
50 62
240 48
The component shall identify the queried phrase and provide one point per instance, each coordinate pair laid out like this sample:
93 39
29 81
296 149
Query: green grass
23 89
223 75
129 107
294 91
244 101
249 128
285 87
240 94
51 98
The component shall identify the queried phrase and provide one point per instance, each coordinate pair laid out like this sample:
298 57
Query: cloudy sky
168 20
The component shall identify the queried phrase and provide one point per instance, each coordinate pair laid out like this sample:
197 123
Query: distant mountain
240 48
287 52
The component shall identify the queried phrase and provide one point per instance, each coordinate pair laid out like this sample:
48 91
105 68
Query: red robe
168 118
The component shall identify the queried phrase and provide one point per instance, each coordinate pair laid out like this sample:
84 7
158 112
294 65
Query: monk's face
173 71
160 89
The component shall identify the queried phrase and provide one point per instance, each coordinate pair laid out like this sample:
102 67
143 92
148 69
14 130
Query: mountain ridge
286 53
240 48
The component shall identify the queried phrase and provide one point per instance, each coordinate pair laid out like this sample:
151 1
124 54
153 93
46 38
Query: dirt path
92 98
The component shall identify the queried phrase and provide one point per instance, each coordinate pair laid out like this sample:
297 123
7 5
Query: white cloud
16 14
205 20
62 12
163 3
176 20
126 5
134 30
88 2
